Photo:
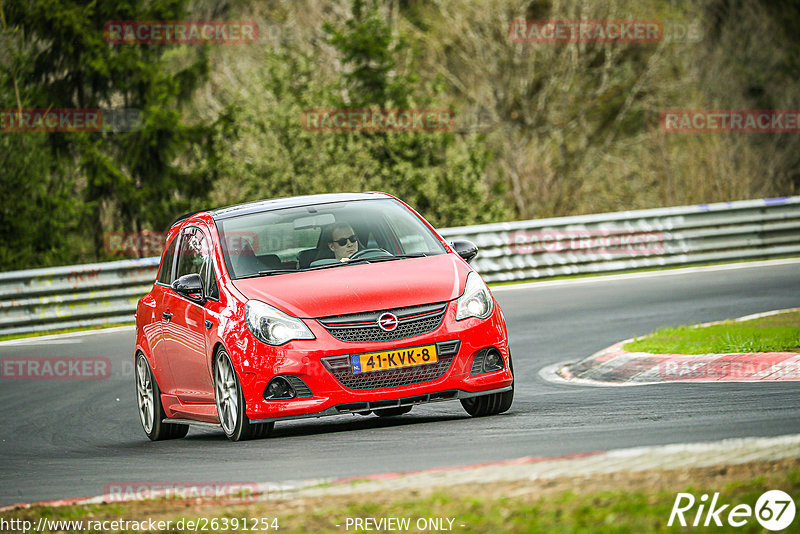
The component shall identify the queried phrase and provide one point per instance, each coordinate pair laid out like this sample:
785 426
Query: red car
313 306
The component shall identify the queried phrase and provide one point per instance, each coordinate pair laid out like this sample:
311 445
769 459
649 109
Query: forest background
540 130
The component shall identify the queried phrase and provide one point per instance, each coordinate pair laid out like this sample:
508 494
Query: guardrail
102 293
38 300
661 237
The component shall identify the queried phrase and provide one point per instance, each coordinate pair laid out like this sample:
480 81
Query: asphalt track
73 438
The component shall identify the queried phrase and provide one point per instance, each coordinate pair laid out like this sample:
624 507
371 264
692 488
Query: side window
210 280
192 253
165 274
194 257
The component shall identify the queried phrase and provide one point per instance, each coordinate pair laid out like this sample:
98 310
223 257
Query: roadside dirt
650 482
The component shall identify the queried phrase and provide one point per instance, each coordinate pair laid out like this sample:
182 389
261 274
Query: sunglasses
343 241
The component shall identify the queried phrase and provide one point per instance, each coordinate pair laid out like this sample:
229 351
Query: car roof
279 203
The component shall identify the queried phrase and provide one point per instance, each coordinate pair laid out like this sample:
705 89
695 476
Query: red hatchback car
313 306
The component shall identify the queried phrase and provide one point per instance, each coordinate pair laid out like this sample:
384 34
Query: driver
344 242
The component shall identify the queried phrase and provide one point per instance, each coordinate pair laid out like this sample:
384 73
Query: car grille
393 377
340 367
363 327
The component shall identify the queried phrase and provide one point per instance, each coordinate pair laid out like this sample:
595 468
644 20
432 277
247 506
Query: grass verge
774 333
617 502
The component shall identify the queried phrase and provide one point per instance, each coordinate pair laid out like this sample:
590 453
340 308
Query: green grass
615 509
775 333
608 511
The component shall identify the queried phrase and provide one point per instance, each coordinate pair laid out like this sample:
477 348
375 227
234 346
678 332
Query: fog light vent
492 361
477 363
286 387
448 347
487 361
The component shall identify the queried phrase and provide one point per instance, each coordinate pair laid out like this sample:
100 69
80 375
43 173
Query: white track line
495 289
646 274
41 340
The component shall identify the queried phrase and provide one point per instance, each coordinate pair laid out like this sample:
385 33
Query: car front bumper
258 364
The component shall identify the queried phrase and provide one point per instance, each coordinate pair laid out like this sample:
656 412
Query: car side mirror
466 249
191 287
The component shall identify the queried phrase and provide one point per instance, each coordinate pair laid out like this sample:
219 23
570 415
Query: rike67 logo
774 510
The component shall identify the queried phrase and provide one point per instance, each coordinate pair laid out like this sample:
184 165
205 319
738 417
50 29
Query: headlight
476 300
272 326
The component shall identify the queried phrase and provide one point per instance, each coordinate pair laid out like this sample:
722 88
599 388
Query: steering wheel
372 251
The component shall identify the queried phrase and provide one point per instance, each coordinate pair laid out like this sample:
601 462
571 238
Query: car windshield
323 236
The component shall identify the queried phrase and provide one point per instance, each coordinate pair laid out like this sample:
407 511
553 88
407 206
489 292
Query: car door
154 331
184 324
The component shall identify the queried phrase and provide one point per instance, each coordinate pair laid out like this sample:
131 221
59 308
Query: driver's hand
344 260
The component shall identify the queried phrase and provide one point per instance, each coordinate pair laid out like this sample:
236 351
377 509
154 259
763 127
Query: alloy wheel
145 393
226 393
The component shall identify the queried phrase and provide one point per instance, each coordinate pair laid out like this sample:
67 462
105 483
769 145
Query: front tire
151 411
491 404
230 403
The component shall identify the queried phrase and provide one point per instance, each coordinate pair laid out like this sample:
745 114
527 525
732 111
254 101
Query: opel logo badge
388 322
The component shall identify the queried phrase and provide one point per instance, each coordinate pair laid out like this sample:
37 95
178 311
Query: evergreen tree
138 179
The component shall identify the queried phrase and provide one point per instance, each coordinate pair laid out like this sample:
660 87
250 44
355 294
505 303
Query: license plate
393 359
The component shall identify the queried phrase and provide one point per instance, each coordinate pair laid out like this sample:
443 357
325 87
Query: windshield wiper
314 268
266 273
275 271
372 259
386 258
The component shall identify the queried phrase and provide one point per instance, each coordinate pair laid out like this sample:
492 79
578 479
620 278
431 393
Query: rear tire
151 411
393 412
231 405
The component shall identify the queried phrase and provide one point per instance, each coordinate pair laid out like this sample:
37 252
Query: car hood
363 287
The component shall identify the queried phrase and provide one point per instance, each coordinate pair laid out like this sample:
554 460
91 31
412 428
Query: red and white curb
636 459
614 366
